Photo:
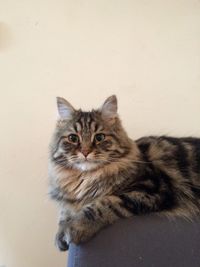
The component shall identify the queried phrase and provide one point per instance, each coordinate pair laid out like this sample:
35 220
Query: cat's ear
109 108
65 109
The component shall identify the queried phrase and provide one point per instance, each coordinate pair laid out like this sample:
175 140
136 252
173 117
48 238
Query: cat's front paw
78 232
61 241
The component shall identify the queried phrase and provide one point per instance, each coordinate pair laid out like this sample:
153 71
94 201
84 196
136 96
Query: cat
98 174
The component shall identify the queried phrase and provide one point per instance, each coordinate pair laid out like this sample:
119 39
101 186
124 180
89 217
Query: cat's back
182 154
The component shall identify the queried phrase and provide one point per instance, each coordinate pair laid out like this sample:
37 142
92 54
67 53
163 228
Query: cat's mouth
87 163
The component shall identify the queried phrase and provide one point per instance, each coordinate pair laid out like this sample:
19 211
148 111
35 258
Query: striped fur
117 177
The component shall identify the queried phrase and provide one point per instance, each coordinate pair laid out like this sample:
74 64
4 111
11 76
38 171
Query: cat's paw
78 233
61 241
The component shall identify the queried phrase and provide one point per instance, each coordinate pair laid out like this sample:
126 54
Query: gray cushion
143 241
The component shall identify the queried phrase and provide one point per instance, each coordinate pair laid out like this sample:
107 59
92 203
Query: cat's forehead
86 122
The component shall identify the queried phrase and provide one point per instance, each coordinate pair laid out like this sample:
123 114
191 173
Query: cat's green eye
99 137
73 138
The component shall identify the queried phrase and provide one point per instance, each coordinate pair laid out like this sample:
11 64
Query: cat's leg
92 217
61 241
107 210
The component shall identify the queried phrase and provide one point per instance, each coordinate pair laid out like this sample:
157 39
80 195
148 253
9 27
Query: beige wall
146 52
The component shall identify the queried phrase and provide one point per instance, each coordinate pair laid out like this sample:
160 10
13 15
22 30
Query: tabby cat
98 174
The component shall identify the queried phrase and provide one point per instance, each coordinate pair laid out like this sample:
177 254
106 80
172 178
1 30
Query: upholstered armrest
143 241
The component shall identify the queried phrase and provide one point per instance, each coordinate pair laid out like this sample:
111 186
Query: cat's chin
86 166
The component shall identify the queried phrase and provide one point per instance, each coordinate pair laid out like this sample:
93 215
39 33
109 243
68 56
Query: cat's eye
73 138
99 137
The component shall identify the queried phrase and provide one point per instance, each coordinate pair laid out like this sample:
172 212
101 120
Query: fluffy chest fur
82 187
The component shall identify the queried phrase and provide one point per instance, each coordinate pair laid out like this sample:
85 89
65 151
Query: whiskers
64 161
102 158
139 161
97 160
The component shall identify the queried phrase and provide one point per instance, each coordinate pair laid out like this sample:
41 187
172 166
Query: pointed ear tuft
109 108
65 109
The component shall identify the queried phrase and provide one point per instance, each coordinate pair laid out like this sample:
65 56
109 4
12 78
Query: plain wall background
146 52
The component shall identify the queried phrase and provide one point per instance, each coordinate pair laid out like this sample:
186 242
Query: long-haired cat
98 174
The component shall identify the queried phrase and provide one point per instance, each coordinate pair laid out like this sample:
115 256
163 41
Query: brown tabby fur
96 183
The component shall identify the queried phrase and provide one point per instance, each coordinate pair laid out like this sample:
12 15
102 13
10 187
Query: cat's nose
85 152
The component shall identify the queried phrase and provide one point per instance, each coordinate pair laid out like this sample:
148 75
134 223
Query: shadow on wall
5 36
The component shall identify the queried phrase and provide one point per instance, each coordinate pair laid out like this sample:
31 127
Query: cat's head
88 140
